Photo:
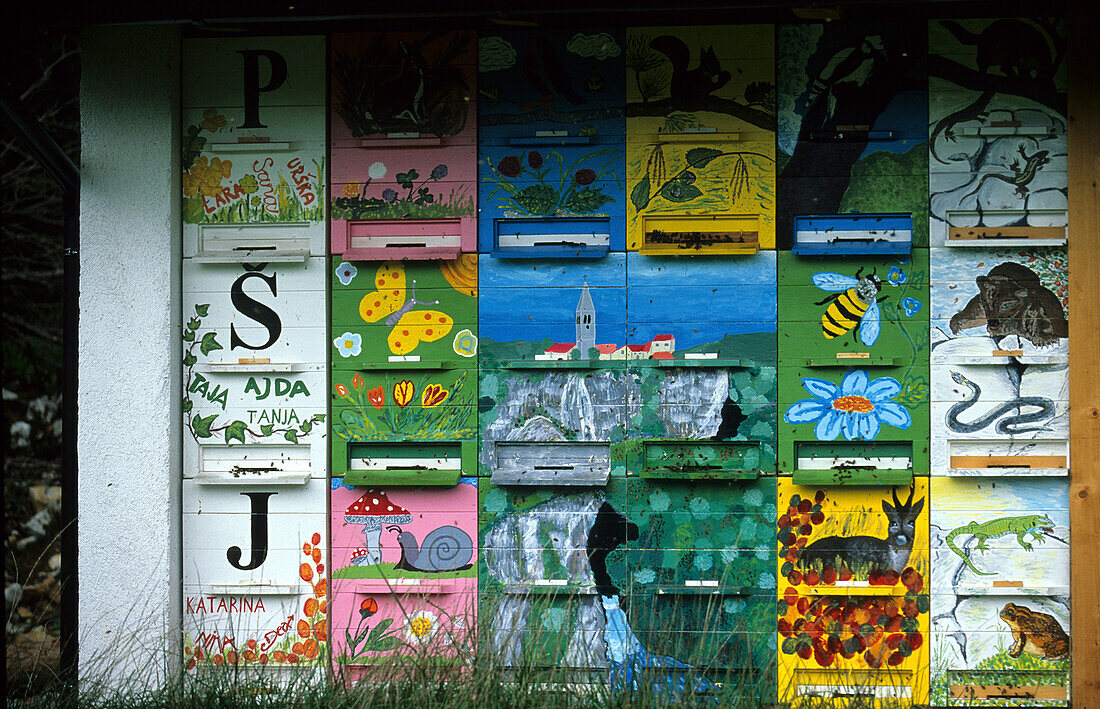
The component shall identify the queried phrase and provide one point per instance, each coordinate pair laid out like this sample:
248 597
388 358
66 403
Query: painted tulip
433 395
341 390
510 166
357 382
534 159
584 176
403 393
377 397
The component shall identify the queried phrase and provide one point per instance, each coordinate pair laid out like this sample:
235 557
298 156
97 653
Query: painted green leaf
319 418
188 336
307 426
291 436
193 324
586 201
537 199
208 344
188 358
187 404
235 431
266 429
202 424
699 157
640 194
676 191
202 309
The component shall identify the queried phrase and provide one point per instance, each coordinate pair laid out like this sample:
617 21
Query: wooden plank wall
1084 258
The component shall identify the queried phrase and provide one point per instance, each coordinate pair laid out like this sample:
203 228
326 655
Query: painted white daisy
421 627
377 170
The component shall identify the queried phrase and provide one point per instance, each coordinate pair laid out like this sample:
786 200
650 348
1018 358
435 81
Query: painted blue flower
857 408
911 306
346 272
389 195
439 172
896 276
350 344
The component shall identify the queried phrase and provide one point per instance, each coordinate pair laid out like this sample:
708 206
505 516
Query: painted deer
865 551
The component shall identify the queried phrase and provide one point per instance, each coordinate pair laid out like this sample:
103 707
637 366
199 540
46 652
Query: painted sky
696 300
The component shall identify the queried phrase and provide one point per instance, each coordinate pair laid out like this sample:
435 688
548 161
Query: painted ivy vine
208 426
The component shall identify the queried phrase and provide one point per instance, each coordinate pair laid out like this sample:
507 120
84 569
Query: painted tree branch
714 104
956 73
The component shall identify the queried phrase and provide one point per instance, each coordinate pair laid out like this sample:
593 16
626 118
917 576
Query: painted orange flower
278 656
249 655
316 539
306 572
403 393
377 397
350 189
191 664
307 548
357 382
292 658
231 657
310 648
298 648
219 660
319 633
341 390
303 632
251 643
310 607
316 555
321 588
324 607
263 658
433 395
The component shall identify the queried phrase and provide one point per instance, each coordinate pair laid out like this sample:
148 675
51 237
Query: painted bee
852 304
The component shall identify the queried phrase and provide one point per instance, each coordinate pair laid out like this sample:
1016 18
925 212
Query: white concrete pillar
129 401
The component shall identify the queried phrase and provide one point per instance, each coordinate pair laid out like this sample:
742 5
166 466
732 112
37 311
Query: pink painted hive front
404 574
404 148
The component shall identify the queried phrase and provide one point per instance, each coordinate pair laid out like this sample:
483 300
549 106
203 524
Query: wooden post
1084 349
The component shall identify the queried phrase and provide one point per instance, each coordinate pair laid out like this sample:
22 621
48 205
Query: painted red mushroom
374 510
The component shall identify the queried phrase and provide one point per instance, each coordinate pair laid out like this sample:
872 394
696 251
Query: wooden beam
1084 349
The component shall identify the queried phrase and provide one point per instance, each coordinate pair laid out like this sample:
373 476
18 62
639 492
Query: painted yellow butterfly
410 327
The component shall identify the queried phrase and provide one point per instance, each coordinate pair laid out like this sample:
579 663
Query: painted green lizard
1035 525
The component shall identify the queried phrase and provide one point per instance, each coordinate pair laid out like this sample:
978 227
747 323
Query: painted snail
444 549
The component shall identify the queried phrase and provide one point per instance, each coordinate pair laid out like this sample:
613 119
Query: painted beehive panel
999 362
852 108
700 138
551 154
997 132
853 593
547 555
403 125
859 309
1000 586
404 568
701 580
393 313
553 372
854 425
701 356
254 574
254 132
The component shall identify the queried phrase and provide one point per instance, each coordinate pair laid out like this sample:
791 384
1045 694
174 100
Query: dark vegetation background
42 70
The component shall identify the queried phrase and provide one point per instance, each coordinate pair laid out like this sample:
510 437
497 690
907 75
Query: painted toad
1036 633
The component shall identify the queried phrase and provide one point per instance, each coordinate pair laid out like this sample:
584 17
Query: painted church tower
586 322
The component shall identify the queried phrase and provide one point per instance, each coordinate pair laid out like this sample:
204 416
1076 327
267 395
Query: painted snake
1007 426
